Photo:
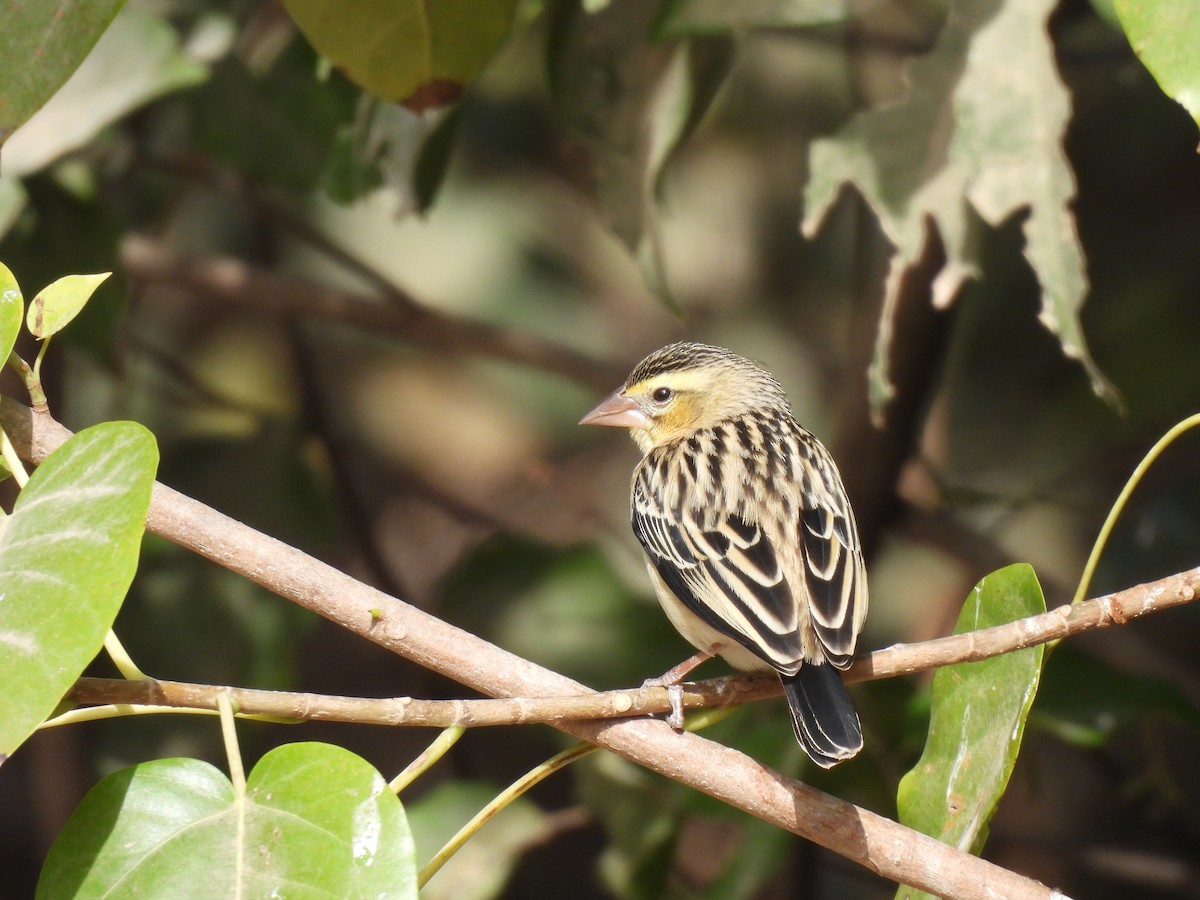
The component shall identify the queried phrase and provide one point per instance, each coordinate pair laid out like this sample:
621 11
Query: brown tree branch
881 845
234 282
899 659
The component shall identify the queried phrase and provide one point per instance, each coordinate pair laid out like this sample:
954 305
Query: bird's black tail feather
823 714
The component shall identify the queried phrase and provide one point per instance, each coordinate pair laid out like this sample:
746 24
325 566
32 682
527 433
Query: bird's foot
672 680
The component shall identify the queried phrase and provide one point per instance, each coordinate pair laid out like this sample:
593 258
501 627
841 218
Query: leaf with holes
315 821
68 553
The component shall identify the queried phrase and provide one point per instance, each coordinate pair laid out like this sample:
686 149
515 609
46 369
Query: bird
747 531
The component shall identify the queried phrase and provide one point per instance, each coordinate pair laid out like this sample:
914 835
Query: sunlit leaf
316 821
1165 34
977 722
61 301
416 52
137 60
67 556
12 311
978 138
41 44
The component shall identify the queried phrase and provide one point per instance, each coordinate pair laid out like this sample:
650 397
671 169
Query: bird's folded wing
834 580
726 571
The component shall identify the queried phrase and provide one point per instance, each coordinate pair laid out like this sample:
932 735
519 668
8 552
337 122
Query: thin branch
900 659
234 282
881 845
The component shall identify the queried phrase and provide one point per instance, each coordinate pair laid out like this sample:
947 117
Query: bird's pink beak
617 410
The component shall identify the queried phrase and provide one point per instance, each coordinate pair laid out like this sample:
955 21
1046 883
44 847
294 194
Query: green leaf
137 60
316 821
416 52
1165 34
480 869
685 17
12 311
979 137
41 44
67 556
977 721
61 301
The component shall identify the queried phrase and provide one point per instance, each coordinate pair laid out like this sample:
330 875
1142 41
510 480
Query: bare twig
881 845
901 659
232 281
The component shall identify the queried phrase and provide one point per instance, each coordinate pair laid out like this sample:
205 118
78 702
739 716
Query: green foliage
1165 34
68 553
417 53
59 302
977 722
607 151
313 821
12 310
41 44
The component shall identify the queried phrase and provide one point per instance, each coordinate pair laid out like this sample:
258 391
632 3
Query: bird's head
684 388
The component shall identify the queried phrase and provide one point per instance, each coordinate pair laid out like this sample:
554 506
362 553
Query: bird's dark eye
662 394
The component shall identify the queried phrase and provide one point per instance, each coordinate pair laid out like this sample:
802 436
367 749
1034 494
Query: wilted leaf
977 722
61 301
416 52
67 556
316 821
979 137
137 60
1165 34
41 44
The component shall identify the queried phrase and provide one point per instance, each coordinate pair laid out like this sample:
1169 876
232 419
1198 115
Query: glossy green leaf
1165 34
12 311
61 301
977 721
137 60
316 821
958 151
480 869
41 43
416 52
67 556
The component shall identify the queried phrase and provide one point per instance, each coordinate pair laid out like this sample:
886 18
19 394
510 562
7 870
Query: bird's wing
834 576
724 569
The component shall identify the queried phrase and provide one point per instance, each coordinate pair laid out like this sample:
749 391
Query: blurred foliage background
396 387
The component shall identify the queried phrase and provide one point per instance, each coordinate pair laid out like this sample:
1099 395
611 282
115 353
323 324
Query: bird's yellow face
667 406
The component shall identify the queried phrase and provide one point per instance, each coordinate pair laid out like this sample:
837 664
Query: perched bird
748 534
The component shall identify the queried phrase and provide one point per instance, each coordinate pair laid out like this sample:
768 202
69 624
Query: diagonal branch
873 841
